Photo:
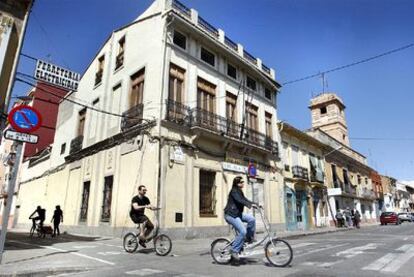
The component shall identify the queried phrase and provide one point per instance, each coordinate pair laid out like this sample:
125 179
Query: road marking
380 263
352 252
191 275
303 244
321 249
399 261
65 251
144 272
111 253
324 265
107 244
392 262
83 246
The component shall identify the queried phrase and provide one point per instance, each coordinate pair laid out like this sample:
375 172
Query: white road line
399 261
144 272
107 244
352 252
84 246
303 244
321 249
380 263
327 264
65 251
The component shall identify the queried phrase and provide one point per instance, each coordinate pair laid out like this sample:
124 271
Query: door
301 210
258 197
290 209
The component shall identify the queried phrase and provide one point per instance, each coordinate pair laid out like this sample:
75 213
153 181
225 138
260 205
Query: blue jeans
237 223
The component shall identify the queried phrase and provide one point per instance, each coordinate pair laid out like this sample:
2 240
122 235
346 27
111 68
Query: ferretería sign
56 75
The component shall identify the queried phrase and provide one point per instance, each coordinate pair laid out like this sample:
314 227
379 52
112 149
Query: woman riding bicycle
233 214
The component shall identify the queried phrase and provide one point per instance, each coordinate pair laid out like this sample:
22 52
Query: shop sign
334 191
177 155
234 167
57 75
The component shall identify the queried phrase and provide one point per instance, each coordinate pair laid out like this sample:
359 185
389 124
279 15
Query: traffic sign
24 119
18 136
252 171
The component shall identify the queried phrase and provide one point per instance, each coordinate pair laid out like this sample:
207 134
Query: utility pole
14 164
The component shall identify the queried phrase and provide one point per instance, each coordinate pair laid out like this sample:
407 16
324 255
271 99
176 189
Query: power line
350 64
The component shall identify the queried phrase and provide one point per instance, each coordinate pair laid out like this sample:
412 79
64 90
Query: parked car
405 217
389 217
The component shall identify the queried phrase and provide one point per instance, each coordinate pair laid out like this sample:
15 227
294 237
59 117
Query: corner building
196 108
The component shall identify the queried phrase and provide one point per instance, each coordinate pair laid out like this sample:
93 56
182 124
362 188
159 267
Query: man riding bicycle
233 214
41 216
138 205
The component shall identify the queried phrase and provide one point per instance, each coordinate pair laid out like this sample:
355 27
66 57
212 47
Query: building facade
390 191
171 103
13 19
306 204
348 175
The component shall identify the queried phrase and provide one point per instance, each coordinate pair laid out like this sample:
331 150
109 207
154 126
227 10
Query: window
180 40
62 148
251 116
81 122
107 199
207 56
231 71
251 83
231 103
359 179
137 88
268 122
323 110
268 94
99 72
295 155
176 83
206 102
366 181
120 57
335 178
206 95
231 115
85 201
207 193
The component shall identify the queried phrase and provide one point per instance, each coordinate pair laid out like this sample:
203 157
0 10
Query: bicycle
278 252
38 229
162 243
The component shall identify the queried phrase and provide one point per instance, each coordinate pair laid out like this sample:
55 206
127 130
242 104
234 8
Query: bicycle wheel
220 251
32 230
130 242
162 245
278 252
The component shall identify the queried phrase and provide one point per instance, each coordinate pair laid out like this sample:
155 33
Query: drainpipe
160 142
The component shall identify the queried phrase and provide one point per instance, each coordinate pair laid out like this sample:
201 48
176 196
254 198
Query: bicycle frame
156 227
267 237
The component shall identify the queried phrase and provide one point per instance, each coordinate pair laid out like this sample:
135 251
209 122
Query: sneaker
251 240
142 243
235 259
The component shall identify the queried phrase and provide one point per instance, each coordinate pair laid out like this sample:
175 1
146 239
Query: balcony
132 117
204 25
76 144
119 60
366 193
98 77
199 118
300 172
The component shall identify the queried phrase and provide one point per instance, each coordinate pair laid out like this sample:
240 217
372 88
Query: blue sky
296 38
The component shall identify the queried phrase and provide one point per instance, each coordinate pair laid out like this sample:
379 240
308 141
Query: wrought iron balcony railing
208 27
300 172
317 177
76 144
132 117
181 8
197 117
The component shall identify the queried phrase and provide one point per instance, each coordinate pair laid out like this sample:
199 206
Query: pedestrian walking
357 218
57 219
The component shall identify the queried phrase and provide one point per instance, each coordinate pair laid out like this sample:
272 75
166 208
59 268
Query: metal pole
10 196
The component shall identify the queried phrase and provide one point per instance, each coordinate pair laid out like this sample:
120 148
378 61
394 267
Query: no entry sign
24 119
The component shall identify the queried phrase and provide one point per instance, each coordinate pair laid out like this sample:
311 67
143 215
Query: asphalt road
372 251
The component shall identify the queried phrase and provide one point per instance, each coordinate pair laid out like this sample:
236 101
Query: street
371 251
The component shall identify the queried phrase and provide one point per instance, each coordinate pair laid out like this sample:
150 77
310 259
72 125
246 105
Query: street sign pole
10 196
